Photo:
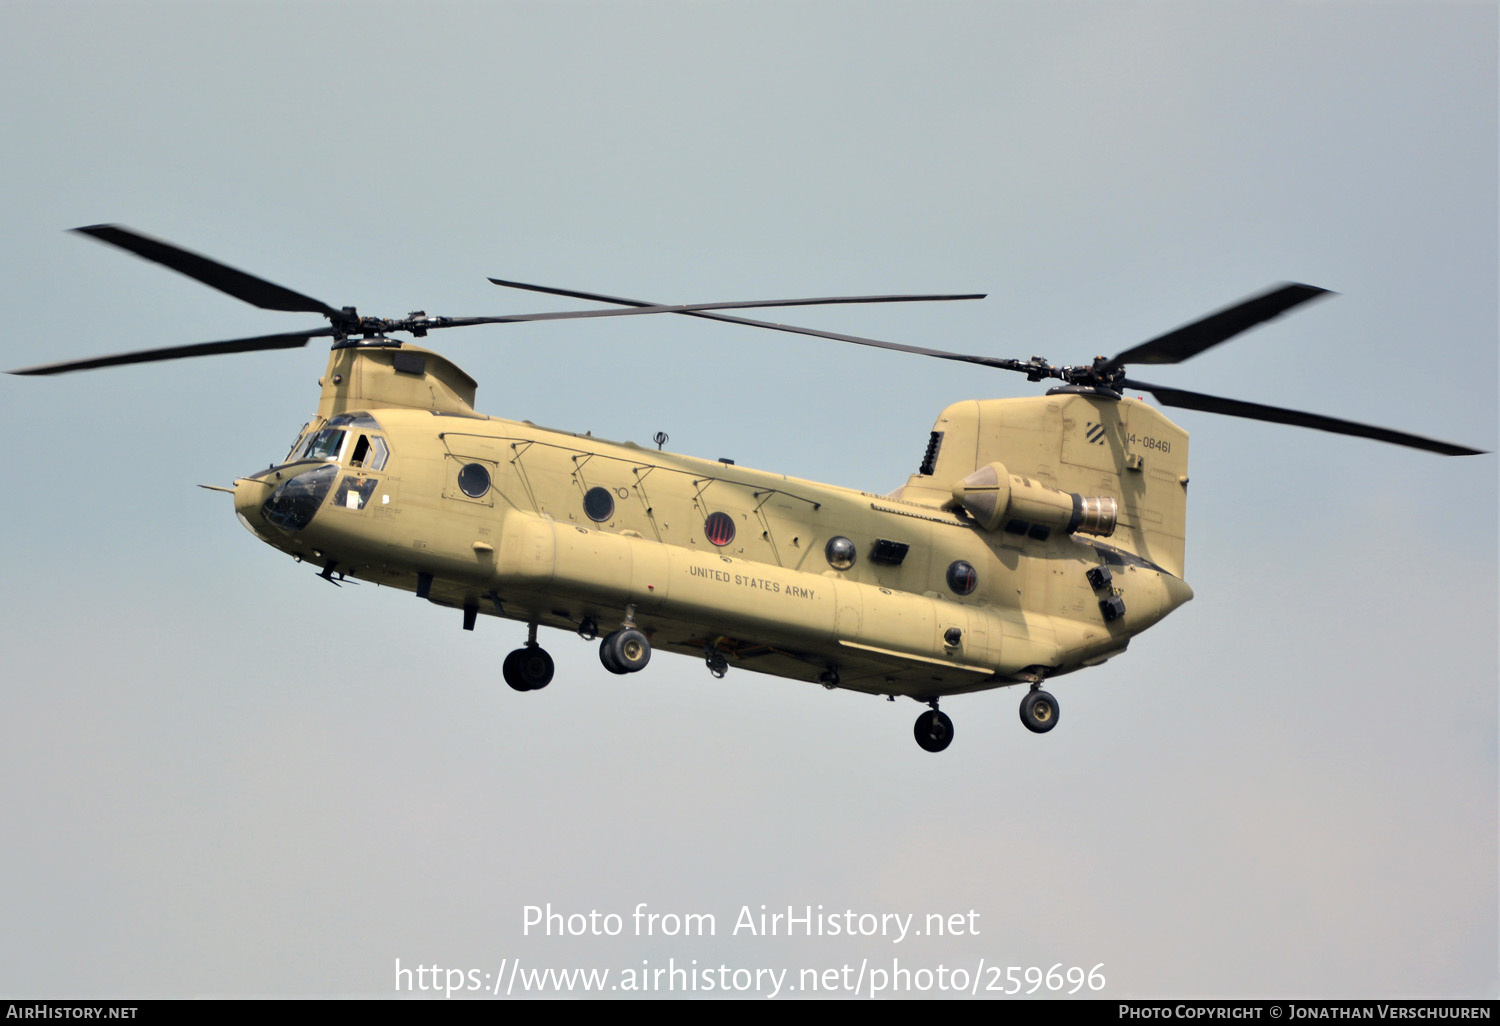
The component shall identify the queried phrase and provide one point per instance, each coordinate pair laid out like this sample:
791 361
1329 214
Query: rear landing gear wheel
934 731
1039 712
528 669
512 673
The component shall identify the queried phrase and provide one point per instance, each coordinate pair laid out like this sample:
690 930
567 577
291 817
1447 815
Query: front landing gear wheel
1039 712
625 651
528 669
607 655
934 731
632 650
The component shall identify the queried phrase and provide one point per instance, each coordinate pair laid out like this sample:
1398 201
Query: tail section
1078 443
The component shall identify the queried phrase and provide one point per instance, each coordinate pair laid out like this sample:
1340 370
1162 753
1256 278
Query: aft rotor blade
237 345
1276 415
1192 339
257 291
772 325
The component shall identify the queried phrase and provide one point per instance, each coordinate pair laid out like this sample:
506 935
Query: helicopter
1038 536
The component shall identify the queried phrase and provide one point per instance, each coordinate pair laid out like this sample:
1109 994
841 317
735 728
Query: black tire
631 649
607 655
934 731
1039 711
511 670
534 667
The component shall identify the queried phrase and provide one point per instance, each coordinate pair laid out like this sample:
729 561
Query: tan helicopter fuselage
975 574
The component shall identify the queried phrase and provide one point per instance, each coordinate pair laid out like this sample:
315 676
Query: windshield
324 445
327 443
292 505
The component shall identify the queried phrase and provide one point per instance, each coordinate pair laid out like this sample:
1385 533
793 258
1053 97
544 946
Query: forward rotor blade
646 308
236 345
772 325
692 308
257 291
1192 339
1276 415
573 294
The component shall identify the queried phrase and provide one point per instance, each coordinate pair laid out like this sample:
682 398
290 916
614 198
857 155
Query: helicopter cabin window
962 577
719 529
474 480
598 504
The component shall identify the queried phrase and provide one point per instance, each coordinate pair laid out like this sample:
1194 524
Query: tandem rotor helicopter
1038 536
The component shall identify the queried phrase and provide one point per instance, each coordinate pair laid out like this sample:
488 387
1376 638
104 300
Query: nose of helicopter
284 498
250 494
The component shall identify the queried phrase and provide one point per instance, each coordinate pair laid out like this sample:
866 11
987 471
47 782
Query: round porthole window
719 527
962 577
474 480
840 552
598 504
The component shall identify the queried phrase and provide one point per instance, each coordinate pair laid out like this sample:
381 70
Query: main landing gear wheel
528 669
1039 712
625 651
934 731
607 656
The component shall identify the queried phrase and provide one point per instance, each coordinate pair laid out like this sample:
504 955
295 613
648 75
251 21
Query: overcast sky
221 776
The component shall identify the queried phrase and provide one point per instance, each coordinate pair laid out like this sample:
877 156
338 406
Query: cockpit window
297 445
325 445
378 453
329 442
354 492
355 420
369 452
292 505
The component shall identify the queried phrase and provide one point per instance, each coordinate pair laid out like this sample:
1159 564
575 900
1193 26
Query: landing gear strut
717 664
1039 711
529 668
934 730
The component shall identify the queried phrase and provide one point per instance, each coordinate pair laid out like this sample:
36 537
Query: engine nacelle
994 497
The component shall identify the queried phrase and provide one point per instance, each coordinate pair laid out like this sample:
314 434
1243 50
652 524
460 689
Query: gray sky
220 776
